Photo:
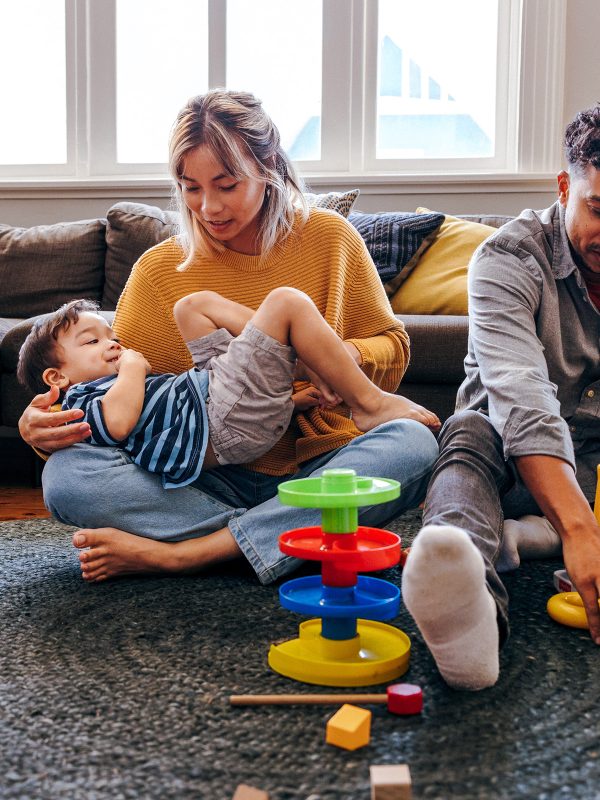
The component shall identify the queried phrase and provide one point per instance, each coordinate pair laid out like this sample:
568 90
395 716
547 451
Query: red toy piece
404 698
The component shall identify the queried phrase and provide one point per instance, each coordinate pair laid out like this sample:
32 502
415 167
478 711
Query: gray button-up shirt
533 362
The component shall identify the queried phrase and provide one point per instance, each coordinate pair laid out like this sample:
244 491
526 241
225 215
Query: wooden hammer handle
303 699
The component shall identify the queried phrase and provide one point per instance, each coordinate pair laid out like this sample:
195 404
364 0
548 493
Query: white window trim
537 70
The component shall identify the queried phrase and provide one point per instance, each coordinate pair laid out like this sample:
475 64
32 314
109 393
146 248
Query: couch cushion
395 241
47 265
132 229
438 283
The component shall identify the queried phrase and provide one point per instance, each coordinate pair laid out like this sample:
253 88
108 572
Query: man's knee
471 432
471 428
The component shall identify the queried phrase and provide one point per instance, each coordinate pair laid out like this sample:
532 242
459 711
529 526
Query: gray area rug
121 690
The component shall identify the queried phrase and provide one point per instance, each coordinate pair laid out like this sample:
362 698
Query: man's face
579 193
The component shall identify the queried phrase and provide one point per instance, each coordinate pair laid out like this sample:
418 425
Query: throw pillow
341 202
132 229
47 265
395 241
438 283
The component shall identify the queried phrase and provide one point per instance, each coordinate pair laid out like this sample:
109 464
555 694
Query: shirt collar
562 259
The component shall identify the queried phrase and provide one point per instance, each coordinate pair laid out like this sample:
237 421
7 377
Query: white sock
525 538
444 589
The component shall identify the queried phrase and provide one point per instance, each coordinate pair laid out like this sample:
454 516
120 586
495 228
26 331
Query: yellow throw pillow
438 283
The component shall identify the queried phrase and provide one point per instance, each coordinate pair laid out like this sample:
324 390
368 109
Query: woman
246 230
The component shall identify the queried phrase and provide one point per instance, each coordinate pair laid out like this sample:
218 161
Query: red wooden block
404 698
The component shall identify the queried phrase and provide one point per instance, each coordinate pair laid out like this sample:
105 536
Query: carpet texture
121 690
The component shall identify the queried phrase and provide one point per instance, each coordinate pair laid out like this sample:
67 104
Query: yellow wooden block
350 727
245 792
390 782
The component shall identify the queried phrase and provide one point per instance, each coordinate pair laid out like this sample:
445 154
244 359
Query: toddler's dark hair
582 139
39 350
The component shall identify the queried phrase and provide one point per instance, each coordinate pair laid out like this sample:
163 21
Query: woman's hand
47 430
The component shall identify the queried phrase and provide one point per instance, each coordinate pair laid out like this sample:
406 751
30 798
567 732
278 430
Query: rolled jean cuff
264 573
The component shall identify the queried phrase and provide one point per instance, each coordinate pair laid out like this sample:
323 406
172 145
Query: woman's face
229 209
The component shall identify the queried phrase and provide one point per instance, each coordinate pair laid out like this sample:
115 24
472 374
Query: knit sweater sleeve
372 327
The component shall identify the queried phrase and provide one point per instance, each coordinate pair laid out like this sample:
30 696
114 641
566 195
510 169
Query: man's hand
581 553
47 430
552 483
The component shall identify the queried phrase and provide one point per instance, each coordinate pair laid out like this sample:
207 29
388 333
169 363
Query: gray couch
42 267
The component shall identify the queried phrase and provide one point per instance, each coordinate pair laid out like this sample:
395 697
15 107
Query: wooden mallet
400 698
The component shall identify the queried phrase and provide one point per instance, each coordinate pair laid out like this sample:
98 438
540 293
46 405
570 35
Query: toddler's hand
306 398
132 357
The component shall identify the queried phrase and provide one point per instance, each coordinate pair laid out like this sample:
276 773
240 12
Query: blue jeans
92 487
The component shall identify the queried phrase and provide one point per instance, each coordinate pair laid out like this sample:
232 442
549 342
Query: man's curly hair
582 139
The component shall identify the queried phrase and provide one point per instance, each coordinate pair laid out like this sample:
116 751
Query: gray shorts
250 391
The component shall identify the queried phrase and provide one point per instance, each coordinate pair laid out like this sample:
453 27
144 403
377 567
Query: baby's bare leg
291 317
202 313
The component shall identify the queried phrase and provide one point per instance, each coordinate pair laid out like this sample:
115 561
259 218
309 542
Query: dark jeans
475 488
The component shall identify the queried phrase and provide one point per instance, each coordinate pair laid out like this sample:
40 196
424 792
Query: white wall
581 89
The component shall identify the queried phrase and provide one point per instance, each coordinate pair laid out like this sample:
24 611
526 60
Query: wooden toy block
404 698
350 727
390 782
245 792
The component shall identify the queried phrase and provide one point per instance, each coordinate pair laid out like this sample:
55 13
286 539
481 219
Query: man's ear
564 183
54 377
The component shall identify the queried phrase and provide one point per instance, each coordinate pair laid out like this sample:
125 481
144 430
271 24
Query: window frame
530 94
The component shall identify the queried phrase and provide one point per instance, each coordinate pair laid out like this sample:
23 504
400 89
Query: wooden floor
21 502
18 477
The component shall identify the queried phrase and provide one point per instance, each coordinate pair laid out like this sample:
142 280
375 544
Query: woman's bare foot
109 552
394 406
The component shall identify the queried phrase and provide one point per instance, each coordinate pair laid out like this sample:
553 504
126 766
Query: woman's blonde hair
237 130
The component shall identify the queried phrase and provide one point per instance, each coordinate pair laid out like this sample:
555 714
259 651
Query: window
356 87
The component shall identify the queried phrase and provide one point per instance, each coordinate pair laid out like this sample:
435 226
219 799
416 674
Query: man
525 438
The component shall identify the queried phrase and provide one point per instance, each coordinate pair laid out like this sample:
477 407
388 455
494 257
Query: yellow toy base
567 608
379 653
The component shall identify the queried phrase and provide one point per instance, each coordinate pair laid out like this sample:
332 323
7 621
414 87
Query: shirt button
590 393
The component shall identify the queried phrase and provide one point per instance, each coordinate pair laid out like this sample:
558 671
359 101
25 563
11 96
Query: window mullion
542 85
336 99
101 84
217 43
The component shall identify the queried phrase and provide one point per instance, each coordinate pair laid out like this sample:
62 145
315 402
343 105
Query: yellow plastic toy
567 608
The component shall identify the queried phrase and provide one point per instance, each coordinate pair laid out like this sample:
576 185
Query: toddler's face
88 349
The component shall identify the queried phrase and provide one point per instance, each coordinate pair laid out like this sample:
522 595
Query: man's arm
552 483
122 404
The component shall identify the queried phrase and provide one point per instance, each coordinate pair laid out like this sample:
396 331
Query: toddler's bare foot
110 552
394 406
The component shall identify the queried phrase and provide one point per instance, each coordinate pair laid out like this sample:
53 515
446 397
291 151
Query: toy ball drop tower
348 645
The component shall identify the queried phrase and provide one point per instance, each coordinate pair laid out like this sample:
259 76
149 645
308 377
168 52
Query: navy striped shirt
171 435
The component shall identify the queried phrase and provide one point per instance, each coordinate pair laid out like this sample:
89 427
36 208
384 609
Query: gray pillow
132 229
47 265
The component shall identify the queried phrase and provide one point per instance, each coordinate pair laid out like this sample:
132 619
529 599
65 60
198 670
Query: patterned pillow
341 202
396 240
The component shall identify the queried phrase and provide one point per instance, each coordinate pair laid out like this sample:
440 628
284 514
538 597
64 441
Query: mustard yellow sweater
327 259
